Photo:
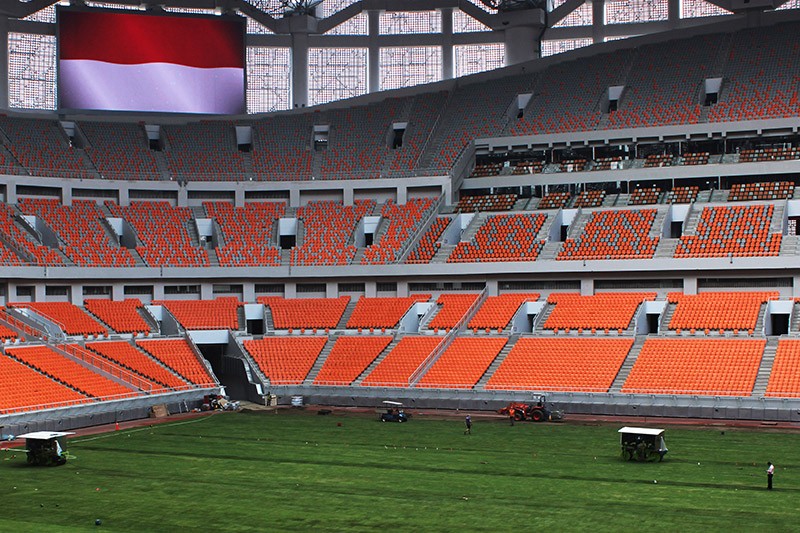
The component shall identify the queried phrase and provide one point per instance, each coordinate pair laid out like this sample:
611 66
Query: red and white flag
141 62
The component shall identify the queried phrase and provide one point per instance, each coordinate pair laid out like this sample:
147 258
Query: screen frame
241 20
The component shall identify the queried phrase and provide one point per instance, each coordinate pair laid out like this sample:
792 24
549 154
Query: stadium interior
614 226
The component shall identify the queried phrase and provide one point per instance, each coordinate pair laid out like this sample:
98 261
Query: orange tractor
536 411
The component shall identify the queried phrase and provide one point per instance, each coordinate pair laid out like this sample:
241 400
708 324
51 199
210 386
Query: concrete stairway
765 368
376 362
323 356
627 364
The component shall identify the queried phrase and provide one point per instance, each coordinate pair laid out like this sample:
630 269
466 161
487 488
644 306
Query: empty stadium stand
491 202
614 235
178 355
603 311
328 230
247 233
382 313
509 237
463 363
120 150
400 221
775 190
396 368
732 231
27 389
784 380
305 313
561 364
428 244
70 318
348 359
134 359
452 308
714 311
716 367
285 360
121 316
220 313
497 311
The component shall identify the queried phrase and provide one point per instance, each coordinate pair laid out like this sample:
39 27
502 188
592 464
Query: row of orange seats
122 316
382 312
305 313
497 311
72 319
562 364
127 355
285 360
428 245
717 367
463 363
453 308
396 368
607 311
179 357
348 359
718 310
220 313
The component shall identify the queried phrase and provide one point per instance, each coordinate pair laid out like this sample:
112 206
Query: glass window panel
633 11
336 73
474 58
31 71
463 23
268 79
559 46
405 22
407 66
700 8
582 16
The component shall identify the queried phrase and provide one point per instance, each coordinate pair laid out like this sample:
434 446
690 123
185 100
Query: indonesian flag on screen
138 62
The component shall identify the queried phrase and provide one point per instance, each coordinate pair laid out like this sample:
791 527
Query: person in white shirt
770 472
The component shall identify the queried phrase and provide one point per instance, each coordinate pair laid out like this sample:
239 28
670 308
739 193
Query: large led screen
141 62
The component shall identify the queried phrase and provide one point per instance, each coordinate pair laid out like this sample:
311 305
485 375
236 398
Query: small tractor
536 411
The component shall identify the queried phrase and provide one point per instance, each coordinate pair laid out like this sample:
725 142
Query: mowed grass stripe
297 472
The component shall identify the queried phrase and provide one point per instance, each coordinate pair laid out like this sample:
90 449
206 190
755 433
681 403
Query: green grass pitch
295 471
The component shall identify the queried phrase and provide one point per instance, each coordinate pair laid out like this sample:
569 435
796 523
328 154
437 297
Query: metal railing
104 365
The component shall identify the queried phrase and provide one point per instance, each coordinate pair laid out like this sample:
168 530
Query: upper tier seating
760 75
305 313
121 316
509 237
614 235
382 313
7 334
23 246
357 146
584 81
282 147
204 151
489 202
27 389
401 222
130 357
769 154
163 232
561 364
428 243
80 228
662 85
72 319
718 310
603 311
590 198
463 363
221 313
715 367
497 311
328 230
771 190
682 195
247 232
658 160
120 150
453 308
285 360
179 357
784 380
423 114
608 163
644 196
554 200
67 371
42 148
396 368
732 231
573 165
348 359
472 112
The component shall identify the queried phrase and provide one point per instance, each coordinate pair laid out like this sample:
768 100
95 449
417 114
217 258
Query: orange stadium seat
396 368
463 363
121 316
27 389
307 313
349 358
711 367
718 310
453 307
784 380
497 311
607 311
732 231
134 359
179 357
382 312
561 364
70 318
285 360
614 235
221 313
502 238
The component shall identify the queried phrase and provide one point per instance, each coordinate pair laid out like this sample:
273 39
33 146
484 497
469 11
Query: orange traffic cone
116 426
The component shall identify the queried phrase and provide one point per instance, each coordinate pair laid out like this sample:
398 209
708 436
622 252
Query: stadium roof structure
307 52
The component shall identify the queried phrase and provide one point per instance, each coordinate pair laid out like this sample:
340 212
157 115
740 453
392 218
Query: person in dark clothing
770 472
468 424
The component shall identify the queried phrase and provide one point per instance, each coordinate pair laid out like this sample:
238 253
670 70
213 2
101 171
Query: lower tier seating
463 363
396 368
784 380
127 355
603 311
497 311
221 313
348 359
305 313
179 357
26 389
382 313
122 316
285 360
707 367
707 311
561 364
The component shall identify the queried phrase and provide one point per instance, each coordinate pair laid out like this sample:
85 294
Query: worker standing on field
770 472
468 424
